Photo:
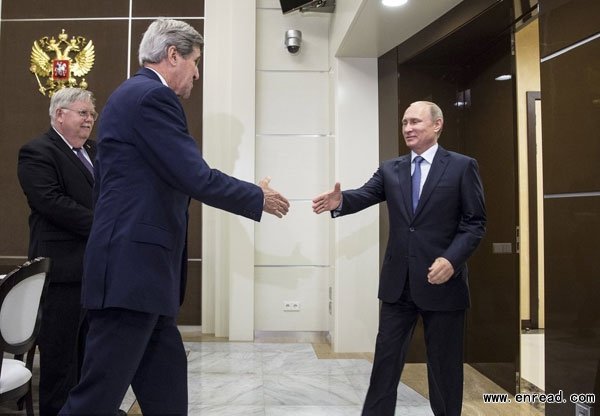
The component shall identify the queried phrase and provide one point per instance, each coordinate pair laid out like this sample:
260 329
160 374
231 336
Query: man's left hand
440 271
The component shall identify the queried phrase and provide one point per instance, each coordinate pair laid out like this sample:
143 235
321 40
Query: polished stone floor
275 377
280 379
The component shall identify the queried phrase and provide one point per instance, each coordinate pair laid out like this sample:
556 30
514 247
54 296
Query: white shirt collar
62 137
428 154
159 75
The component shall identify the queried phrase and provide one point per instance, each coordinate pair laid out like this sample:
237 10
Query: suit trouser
123 348
444 332
57 342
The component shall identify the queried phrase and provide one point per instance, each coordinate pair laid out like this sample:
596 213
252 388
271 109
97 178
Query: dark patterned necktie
85 162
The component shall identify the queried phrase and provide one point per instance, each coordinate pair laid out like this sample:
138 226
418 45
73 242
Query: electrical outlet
582 410
291 305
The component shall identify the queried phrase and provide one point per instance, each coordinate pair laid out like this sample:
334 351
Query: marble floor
276 377
299 375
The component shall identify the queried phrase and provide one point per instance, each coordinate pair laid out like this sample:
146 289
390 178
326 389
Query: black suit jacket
58 188
449 222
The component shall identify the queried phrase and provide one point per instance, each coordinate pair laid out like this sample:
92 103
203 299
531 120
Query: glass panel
479 120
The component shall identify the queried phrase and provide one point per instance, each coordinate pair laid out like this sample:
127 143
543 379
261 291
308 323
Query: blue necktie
416 182
85 162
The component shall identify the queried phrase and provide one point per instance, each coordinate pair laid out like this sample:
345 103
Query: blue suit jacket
449 222
147 168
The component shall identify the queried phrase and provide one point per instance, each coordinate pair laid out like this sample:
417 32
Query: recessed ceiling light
393 3
503 77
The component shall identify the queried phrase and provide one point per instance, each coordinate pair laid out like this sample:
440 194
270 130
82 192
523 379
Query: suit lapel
403 167
60 143
438 167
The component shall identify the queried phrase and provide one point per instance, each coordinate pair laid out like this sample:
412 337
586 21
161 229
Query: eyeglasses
84 114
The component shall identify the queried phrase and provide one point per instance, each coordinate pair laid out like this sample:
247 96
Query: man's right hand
328 201
275 203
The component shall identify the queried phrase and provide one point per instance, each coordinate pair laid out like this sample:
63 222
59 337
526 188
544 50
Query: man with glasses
55 172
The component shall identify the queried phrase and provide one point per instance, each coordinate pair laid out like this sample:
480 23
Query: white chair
21 295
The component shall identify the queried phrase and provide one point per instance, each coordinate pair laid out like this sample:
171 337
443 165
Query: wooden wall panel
171 8
565 22
571 150
24 112
572 339
571 120
39 9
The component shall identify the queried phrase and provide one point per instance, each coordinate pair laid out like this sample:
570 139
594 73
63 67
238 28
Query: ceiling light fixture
503 77
393 3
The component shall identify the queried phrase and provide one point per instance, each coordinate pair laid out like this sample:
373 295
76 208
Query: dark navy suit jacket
147 168
449 222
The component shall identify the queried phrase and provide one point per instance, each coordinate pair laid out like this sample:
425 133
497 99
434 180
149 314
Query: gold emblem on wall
61 62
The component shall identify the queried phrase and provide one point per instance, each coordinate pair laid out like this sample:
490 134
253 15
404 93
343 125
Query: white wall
293 138
346 12
306 121
229 145
355 276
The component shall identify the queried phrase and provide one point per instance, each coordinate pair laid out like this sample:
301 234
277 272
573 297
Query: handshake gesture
276 204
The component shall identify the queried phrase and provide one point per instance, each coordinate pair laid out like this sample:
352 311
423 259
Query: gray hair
64 97
435 110
163 33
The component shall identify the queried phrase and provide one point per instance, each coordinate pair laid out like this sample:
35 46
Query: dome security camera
293 40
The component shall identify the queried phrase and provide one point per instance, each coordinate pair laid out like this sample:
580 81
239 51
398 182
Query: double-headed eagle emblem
71 59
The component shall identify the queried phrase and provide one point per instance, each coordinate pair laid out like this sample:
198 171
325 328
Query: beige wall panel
292 103
298 165
527 46
268 4
301 238
306 285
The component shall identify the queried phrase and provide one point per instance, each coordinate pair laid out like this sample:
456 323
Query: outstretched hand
275 203
328 201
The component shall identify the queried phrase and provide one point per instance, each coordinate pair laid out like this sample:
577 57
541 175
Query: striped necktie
85 162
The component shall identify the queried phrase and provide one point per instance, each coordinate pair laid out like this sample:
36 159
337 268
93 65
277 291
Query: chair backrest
21 294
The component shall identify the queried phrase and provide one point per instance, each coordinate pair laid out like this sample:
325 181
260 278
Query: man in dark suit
148 166
58 186
437 219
